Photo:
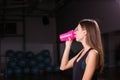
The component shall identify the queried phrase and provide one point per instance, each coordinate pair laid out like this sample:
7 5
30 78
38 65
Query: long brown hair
94 38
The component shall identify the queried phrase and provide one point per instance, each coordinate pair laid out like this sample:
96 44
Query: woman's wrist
68 47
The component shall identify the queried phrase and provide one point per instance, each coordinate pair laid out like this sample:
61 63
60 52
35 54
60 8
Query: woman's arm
65 62
91 65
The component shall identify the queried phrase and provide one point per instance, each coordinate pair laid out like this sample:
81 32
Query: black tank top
79 68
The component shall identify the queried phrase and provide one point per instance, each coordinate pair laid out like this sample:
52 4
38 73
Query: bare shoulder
93 53
92 57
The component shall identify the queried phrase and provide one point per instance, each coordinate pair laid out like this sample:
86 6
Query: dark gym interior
30 48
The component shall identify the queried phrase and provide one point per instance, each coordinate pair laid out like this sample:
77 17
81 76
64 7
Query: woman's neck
85 46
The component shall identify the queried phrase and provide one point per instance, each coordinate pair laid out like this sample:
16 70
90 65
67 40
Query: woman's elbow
62 69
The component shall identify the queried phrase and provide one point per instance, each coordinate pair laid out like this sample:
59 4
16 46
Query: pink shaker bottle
65 36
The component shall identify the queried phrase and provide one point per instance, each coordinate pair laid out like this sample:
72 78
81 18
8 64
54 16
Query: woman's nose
75 32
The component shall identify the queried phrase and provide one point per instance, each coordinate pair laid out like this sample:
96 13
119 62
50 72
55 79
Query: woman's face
80 33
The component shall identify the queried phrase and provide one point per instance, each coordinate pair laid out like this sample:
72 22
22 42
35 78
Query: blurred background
29 36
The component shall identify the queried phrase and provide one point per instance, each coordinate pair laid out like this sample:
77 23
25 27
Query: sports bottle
65 36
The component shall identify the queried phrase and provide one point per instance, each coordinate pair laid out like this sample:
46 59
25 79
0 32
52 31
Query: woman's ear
85 32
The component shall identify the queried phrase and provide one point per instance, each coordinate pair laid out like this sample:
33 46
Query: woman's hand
68 43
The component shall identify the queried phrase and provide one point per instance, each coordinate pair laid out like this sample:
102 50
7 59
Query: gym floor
109 74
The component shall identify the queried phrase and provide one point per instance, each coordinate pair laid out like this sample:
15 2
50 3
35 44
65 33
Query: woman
90 60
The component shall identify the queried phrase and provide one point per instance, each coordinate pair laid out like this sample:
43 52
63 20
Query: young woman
90 60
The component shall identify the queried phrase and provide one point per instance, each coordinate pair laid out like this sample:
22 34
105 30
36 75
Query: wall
106 12
38 37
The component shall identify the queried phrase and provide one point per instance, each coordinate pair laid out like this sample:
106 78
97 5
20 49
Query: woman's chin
76 39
